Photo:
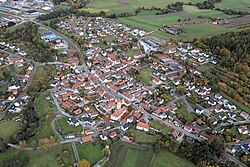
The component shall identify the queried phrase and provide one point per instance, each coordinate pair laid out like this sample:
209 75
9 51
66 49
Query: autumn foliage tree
83 163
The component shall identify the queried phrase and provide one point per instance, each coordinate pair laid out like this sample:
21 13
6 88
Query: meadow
167 159
90 152
130 155
42 158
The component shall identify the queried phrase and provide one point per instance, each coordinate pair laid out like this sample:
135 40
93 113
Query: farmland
130 155
167 159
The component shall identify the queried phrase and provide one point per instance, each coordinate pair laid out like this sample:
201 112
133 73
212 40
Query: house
199 109
175 133
73 121
188 128
243 129
118 114
142 126
112 134
104 137
86 139
125 127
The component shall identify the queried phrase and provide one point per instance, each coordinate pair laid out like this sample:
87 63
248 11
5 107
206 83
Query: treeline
62 13
234 12
207 4
74 4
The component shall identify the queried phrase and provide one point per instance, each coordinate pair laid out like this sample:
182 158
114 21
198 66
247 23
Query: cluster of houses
187 52
73 24
171 30
12 47
14 86
107 94
55 41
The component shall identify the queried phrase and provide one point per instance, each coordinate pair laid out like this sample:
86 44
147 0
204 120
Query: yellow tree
83 163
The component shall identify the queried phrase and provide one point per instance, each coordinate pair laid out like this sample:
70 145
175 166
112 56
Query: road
75 152
231 158
239 142
58 106
54 128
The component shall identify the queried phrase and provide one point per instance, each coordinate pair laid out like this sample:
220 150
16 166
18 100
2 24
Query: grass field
120 6
243 5
167 159
190 117
8 128
66 128
42 158
130 155
90 152
43 106
145 76
95 10
143 137
165 129
205 13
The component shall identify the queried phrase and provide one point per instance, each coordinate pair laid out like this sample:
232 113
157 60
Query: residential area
107 90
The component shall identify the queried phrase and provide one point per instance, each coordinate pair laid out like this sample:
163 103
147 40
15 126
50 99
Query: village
109 93
126 84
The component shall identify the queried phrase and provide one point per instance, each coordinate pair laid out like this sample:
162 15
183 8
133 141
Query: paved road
231 158
240 142
58 106
75 152
54 128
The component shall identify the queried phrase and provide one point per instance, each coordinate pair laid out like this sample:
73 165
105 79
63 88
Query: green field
66 128
95 10
145 76
43 106
90 152
8 128
190 117
242 5
42 158
121 6
130 155
205 13
167 159
165 129
143 137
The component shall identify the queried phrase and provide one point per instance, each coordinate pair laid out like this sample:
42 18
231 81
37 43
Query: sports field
130 155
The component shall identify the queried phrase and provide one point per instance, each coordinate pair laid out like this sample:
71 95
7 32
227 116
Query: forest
233 50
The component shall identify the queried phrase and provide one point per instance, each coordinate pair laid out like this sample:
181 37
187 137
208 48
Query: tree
244 158
22 144
157 148
83 163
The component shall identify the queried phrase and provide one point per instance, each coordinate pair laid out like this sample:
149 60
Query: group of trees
30 38
209 4
203 153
